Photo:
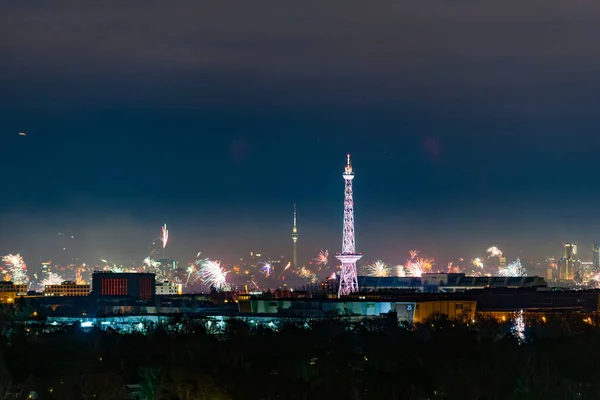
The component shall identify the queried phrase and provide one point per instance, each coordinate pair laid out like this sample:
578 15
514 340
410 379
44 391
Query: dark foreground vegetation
440 359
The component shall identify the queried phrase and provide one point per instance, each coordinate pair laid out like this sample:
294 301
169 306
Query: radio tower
348 257
295 241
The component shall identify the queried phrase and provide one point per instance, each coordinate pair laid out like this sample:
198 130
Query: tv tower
295 242
348 257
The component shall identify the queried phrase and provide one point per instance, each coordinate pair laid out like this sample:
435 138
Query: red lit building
130 285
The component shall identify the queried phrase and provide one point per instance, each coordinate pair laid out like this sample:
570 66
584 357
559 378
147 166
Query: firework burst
513 269
79 275
400 271
17 268
477 262
413 269
494 252
165 236
212 274
306 273
191 269
416 266
266 268
52 279
289 264
323 258
518 328
379 269
151 263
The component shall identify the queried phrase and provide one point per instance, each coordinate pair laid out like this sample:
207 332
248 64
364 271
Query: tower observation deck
348 256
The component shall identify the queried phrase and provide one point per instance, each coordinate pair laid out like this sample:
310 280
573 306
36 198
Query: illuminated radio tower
295 241
348 257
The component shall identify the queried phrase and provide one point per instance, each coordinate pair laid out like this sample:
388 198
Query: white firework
212 274
513 269
400 271
190 270
17 268
165 236
414 269
266 268
518 328
494 252
477 262
379 269
151 263
52 279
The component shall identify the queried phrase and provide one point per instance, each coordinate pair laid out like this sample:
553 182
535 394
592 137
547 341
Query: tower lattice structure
348 256
295 241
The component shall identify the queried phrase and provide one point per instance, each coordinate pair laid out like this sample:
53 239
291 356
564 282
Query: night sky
470 124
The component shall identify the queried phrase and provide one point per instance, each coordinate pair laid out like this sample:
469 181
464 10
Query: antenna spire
348 169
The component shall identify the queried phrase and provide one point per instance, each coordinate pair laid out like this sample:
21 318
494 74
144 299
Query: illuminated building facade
67 289
596 257
361 306
348 257
501 262
136 286
167 288
8 292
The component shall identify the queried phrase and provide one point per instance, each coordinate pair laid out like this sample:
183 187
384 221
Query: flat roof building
135 286
67 288
454 282
359 306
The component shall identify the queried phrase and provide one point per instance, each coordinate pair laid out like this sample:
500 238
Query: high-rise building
501 262
295 242
568 265
348 257
596 258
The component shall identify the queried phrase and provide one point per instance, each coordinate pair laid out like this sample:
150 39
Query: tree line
330 359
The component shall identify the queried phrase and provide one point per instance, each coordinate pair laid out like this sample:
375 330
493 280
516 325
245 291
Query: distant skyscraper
501 262
596 257
295 242
569 263
348 257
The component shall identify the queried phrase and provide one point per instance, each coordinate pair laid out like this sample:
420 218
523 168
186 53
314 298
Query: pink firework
165 236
